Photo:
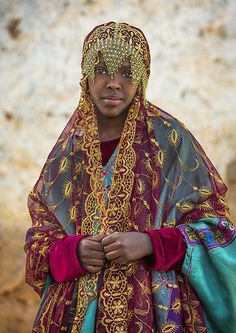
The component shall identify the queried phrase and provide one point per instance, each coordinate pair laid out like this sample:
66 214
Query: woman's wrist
146 244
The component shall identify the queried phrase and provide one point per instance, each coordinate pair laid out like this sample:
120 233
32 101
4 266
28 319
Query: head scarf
162 178
117 42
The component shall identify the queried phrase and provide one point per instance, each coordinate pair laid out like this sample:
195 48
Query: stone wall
193 77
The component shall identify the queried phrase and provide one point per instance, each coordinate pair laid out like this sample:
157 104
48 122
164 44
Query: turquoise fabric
88 325
48 283
210 265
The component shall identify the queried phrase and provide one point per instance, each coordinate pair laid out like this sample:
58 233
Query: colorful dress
159 177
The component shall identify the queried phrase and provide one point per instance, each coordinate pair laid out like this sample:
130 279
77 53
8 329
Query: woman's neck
110 128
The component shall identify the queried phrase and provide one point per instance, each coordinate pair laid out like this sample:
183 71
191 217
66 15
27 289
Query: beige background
193 76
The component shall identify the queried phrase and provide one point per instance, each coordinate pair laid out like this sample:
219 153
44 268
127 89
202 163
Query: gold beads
117 42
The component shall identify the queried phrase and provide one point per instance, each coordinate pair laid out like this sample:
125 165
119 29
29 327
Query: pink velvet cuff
169 249
64 262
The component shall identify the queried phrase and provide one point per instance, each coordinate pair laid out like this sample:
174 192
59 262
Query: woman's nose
113 83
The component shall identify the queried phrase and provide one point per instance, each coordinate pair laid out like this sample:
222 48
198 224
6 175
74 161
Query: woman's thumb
99 237
109 232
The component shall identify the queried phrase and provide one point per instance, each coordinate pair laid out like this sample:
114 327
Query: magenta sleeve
64 261
169 249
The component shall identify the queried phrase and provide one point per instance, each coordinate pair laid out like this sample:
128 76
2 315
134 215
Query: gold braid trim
113 306
113 300
87 126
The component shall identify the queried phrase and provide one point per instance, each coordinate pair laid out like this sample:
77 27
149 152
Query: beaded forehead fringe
117 42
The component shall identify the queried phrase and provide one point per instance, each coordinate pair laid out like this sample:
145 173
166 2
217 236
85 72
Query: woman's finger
93 269
92 245
108 239
111 247
113 255
121 260
98 237
95 262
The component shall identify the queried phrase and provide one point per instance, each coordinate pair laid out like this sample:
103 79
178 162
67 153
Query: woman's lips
112 100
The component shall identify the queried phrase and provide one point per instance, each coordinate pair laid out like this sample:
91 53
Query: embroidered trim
222 235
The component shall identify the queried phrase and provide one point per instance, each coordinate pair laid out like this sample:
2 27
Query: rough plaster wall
193 76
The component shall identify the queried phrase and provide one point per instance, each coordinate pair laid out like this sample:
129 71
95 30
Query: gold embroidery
169 327
67 189
73 214
113 300
174 137
64 165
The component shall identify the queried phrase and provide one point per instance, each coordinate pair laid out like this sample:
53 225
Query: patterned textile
158 177
209 265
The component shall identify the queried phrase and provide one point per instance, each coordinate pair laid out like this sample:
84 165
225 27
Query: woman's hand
123 247
91 253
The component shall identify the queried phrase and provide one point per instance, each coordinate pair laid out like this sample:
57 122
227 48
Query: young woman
130 231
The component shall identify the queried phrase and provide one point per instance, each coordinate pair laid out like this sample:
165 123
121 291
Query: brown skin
91 253
123 247
112 98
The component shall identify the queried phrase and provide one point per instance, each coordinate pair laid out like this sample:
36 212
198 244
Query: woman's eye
100 71
127 74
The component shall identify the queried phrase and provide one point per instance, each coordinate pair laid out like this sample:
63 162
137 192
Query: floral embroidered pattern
222 235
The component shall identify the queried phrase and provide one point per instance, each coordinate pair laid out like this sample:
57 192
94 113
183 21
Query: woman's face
112 96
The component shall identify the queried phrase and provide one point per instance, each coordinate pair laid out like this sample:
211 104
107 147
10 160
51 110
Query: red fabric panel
107 148
64 262
169 249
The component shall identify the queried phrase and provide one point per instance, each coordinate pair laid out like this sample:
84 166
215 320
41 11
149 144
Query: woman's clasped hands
120 247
